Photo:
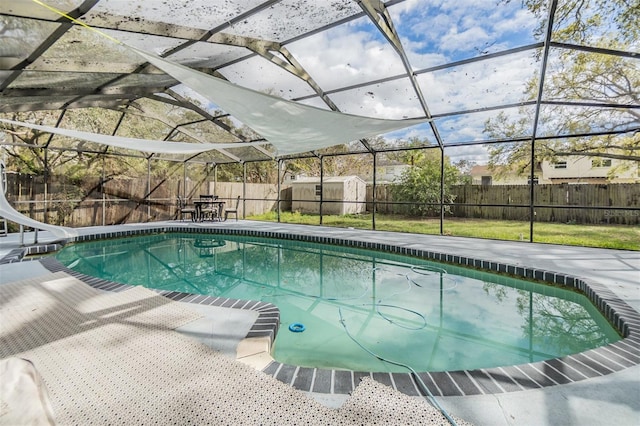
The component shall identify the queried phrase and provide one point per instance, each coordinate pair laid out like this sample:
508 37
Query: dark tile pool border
573 368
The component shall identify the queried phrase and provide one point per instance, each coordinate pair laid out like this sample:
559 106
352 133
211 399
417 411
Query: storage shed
341 195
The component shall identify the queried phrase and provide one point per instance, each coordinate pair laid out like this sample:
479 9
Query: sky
433 33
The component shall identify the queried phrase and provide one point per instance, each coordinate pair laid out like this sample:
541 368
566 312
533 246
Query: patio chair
209 207
183 209
232 210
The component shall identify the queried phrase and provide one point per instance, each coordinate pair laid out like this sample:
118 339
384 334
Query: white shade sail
289 126
144 145
8 212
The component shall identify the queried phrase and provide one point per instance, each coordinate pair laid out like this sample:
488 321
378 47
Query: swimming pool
355 303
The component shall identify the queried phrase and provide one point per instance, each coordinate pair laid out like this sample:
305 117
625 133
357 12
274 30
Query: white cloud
349 55
487 83
464 128
519 21
344 56
463 26
260 74
469 127
394 99
473 153
456 40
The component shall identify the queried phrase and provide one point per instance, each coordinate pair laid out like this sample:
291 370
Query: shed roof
330 179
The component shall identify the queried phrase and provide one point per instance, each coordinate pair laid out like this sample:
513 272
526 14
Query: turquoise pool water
353 303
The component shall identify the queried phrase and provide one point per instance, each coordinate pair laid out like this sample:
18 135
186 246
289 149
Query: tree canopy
584 91
419 184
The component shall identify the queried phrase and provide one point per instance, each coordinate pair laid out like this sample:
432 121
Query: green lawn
605 236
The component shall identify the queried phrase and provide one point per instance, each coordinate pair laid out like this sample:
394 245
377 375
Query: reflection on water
431 316
207 246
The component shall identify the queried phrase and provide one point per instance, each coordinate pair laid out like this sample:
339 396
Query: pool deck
609 399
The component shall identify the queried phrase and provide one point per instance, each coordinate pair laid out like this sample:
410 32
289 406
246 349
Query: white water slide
9 213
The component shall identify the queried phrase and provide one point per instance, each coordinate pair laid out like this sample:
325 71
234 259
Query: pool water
355 304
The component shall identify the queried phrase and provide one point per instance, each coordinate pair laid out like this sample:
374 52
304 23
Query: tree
464 167
555 322
583 21
76 170
579 76
420 183
335 163
26 154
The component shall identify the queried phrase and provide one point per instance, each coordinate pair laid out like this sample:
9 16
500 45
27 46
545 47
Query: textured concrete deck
610 399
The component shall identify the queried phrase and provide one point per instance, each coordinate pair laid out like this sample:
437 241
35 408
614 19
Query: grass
622 237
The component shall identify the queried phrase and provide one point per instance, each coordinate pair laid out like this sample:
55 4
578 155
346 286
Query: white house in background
572 169
340 195
499 175
386 172
591 170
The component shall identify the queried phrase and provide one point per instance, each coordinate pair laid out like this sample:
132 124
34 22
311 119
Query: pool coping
593 363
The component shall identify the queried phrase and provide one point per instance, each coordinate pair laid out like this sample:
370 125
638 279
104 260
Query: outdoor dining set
207 207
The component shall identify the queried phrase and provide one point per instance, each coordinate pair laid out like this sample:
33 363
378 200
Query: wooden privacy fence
115 201
624 198
93 202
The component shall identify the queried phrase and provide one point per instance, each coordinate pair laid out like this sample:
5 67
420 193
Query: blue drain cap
296 327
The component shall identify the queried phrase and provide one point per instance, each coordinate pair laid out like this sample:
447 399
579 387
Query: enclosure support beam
215 178
244 190
104 198
543 69
373 195
379 15
441 191
184 181
321 185
289 64
148 194
45 160
58 121
63 27
280 167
